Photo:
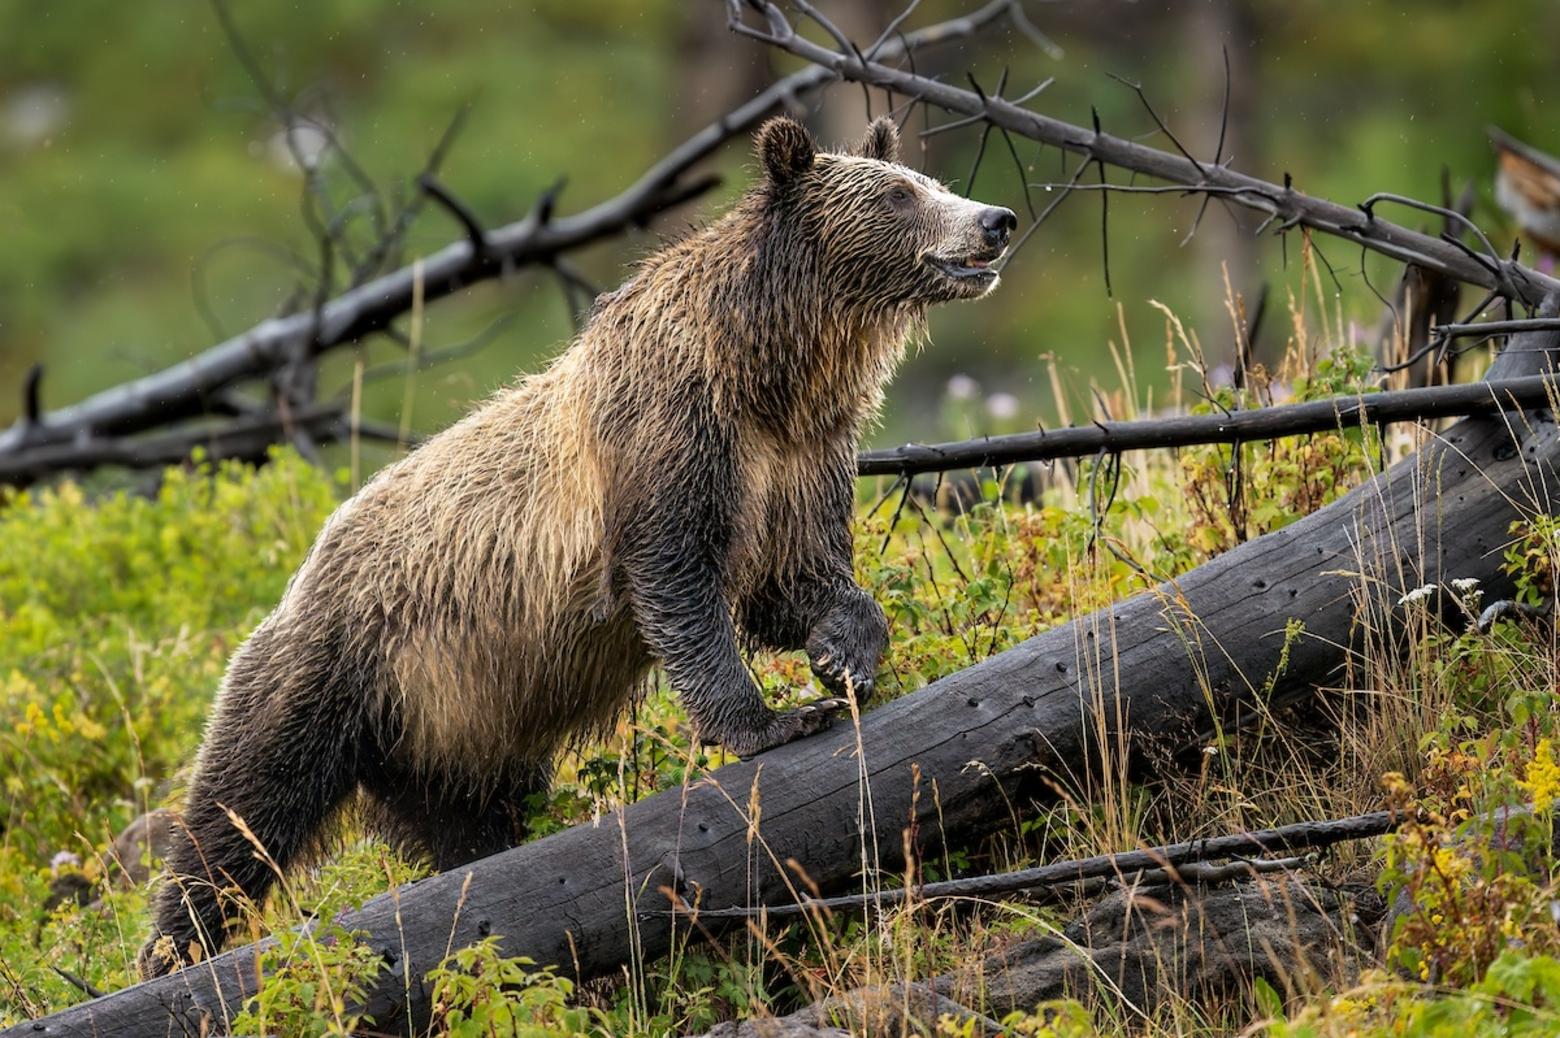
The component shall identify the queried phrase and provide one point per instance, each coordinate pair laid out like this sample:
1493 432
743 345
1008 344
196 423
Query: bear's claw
795 724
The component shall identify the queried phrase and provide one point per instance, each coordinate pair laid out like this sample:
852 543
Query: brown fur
677 482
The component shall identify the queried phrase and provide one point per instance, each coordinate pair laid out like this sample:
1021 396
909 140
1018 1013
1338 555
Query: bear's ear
882 140
785 148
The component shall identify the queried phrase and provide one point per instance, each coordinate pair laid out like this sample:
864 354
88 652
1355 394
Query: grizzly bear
676 487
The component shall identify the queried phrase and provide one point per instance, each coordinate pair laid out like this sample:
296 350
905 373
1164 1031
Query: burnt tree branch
1281 202
247 437
1258 423
185 389
189 389
1296 837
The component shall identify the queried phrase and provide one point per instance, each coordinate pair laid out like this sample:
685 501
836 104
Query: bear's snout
998 223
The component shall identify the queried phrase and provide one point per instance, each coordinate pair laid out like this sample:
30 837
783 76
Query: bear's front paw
846 646
793 724
840 677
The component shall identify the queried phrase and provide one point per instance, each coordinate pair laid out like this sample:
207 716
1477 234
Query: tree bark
1139 680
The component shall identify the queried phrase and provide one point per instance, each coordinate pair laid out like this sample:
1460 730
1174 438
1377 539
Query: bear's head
876 233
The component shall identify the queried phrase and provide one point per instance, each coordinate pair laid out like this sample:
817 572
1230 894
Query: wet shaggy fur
675 487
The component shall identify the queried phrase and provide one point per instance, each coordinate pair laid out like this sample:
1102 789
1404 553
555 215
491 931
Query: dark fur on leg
673 552
452 823
821 608
281 754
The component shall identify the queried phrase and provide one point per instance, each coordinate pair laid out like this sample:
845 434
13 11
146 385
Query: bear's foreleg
671 556
819 606
688 627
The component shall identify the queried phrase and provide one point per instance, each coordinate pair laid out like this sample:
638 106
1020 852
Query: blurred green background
147 198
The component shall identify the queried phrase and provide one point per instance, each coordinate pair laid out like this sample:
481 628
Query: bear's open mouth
976 266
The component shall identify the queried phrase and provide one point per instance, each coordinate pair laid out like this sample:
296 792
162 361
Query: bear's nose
998 223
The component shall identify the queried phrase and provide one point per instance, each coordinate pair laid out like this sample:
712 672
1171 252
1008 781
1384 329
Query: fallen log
1137 945
1139 678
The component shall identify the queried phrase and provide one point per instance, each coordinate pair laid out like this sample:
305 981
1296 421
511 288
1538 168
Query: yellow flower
1543 776
1449 863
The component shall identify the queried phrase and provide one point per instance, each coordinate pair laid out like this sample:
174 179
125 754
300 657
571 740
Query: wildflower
1395 784
1449 864
1002 405
1543 776
1419 594
962 387
1463 585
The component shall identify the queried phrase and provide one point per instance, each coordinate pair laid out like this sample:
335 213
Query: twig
1218 150
86 986
31 411
475 235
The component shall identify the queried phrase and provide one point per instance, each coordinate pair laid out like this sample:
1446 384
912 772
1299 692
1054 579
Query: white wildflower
1463 585
962 387
1419 594
1002 405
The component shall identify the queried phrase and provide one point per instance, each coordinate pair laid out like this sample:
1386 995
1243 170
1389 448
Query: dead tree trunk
1047 711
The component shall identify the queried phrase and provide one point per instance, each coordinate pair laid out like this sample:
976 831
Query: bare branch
1299 836
475 235
1290 207
1258 423
1530 324
246 438
189 389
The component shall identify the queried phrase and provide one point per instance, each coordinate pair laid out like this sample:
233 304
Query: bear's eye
898 197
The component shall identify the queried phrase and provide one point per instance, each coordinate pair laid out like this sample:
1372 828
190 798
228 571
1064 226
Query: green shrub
478 993
117 616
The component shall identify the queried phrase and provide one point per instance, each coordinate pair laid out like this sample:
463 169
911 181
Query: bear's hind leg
281 756
449 821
